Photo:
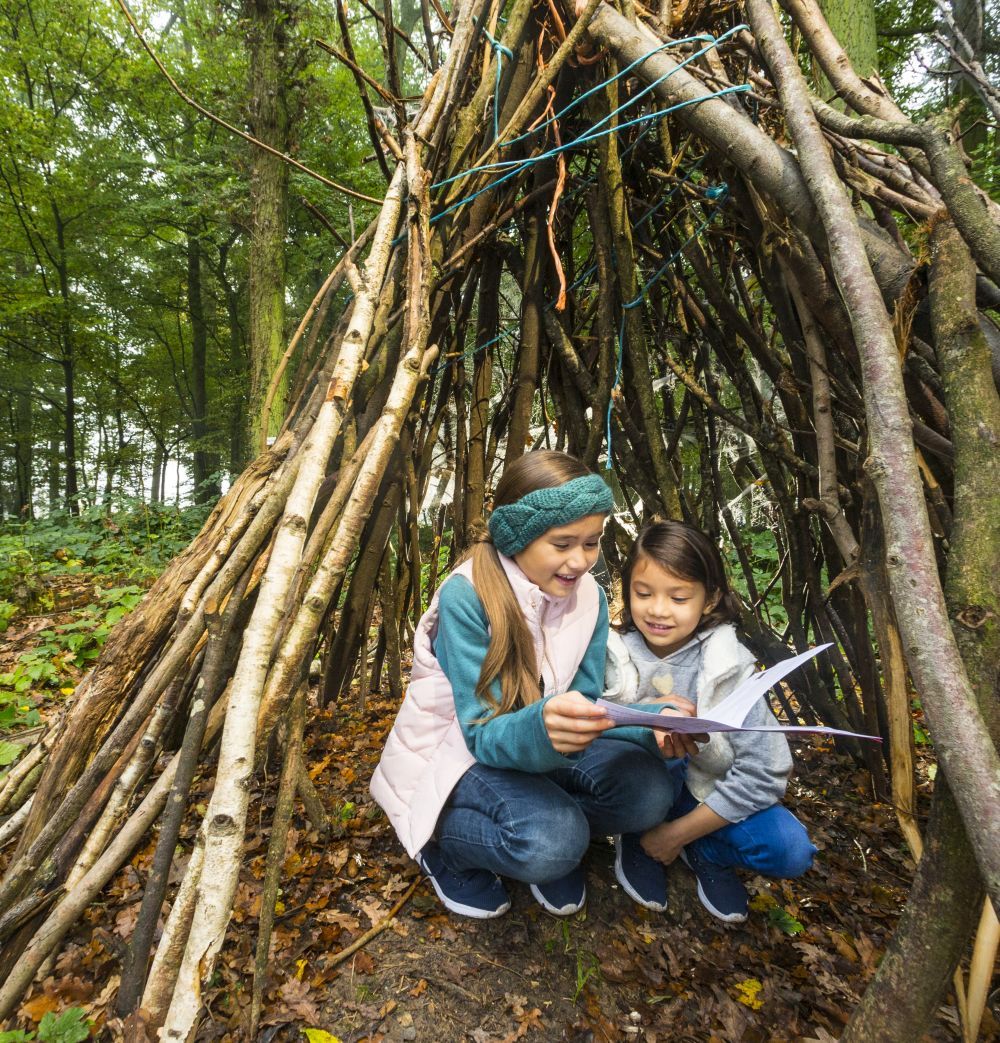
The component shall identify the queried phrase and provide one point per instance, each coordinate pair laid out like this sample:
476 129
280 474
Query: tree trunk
944 903
853 23
268 38
206 485
24 454
67 362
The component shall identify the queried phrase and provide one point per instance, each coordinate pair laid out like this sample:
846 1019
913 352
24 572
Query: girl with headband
497 763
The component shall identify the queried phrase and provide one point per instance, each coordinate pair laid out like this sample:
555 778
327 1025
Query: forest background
156 262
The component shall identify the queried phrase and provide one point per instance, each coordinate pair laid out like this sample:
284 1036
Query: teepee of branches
642 239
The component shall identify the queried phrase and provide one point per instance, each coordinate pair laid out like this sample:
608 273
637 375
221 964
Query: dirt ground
613 972
618 972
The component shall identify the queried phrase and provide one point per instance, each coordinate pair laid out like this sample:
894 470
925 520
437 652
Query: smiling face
665 608
559 557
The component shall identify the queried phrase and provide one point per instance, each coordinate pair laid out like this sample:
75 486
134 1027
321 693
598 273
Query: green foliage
90 555
17 708
134 544
69 1027
61 653
761 548
587 967
9 752
120 206
778 916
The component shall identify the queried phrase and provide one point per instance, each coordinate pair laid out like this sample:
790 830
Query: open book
729 715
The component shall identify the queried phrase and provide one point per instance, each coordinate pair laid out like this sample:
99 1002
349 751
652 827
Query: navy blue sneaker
564 896
475 892
642 878
721 891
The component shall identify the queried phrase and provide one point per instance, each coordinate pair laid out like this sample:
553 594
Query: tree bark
964 746
943 907
269 38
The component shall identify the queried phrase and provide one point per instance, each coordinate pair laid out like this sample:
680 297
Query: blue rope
639 138
605 83
586 139
695 167
666 76
472 352
718 194
712 192
501 53
502 164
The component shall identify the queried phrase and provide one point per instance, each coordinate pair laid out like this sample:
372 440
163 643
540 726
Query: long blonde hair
510 659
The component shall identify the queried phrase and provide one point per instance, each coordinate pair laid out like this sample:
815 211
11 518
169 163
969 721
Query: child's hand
573 722
663 842
678 744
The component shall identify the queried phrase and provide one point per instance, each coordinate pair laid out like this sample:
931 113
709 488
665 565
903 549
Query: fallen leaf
748 993
295 996
317 769
373 909
37 1008
125 920
344 920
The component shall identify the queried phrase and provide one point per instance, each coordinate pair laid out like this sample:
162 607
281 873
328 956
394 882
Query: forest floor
613 972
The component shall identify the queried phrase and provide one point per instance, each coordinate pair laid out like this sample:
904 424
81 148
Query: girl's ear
712 603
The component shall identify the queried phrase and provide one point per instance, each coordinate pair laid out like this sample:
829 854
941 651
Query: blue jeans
772 842
537 827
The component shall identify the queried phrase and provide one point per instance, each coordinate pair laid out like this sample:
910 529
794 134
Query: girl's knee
550 845
642 784
796 858
791 853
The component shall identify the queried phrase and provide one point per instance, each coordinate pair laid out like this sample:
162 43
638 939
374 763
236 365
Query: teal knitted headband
514 525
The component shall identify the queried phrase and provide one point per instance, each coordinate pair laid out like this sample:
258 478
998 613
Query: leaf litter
614 972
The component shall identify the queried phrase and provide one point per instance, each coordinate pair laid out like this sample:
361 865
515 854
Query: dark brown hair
510 658
688 553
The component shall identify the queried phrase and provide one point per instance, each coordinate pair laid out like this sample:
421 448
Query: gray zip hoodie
736 773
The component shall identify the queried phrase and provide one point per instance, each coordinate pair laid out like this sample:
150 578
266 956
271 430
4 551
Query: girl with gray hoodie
676 637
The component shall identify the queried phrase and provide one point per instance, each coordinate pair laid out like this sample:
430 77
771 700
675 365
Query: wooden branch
276 850
353 193
225 818
359 943
963 743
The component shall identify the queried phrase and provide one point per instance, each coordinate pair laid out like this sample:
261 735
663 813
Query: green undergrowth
69 1027
78 576
129 545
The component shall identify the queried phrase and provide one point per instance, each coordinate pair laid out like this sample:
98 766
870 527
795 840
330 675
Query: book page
729 715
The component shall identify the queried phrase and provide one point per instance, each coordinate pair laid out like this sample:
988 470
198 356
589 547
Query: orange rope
560 184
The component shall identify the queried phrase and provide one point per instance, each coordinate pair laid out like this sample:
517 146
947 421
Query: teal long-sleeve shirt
516 740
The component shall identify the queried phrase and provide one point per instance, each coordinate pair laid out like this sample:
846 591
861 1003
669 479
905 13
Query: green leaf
9 752
783 920
69 1027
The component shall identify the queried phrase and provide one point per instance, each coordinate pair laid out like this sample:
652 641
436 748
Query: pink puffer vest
425 754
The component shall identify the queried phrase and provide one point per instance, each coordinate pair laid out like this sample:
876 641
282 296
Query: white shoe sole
464 910
627 887
703 898
566 910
